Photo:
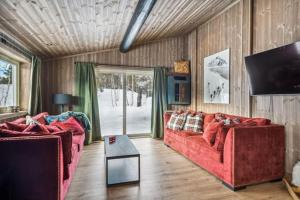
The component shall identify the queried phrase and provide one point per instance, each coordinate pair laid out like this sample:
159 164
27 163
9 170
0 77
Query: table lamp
61 100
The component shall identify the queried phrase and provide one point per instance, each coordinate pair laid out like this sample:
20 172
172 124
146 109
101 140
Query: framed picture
216 78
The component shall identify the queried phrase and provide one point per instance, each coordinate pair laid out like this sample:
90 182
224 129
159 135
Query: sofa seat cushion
199 145
181 136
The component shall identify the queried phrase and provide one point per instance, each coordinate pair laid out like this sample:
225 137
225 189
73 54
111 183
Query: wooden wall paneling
222 32
59 72
192 56
25 72
277 23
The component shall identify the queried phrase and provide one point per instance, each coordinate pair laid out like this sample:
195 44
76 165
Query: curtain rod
123 66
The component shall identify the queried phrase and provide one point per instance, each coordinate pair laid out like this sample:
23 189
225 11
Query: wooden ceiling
52 28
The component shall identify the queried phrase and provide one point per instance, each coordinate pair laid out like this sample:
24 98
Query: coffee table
122 161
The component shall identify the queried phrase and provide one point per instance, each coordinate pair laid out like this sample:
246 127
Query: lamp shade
62 99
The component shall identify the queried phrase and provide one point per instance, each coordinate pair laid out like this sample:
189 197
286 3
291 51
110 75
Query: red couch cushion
198 144
70 124
21 120
181 136
209 134
52 129
40 118
16 127
207 119
39 128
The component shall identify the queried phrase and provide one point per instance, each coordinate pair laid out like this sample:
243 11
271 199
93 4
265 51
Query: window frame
17 76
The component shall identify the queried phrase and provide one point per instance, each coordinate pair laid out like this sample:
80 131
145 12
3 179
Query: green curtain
159 102
35 97
86 91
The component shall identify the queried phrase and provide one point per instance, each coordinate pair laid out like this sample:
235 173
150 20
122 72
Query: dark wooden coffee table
122 161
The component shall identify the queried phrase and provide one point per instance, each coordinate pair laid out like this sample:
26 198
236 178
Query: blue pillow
51 118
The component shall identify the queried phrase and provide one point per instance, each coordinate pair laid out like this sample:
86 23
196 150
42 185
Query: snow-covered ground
138 119
10 95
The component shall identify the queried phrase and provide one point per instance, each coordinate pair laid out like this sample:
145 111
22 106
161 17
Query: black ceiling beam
139 17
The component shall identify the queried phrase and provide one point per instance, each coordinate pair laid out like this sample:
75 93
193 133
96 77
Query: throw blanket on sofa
81 117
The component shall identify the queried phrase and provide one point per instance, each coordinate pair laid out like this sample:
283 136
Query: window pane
138 103
110 97
7 84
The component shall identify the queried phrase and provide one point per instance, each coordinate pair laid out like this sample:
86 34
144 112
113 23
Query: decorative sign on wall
216 78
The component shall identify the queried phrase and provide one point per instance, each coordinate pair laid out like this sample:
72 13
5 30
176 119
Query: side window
8 83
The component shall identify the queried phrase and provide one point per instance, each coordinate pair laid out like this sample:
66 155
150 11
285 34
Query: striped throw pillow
177 121
194 122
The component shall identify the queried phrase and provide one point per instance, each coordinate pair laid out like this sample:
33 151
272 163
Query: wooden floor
165 174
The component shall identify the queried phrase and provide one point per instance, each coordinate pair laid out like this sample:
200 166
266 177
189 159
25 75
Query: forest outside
7 84
138 102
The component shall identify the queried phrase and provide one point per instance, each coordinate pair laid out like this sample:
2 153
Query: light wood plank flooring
165 174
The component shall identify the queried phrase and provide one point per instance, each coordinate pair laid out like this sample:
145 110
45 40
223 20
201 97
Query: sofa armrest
31 168
254 154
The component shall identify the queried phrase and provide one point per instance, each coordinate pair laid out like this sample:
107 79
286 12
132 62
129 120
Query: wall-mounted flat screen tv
276 71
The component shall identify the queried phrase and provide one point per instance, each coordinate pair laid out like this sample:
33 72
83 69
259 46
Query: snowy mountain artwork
216 78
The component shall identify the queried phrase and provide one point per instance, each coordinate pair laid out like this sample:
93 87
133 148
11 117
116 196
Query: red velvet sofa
243 155
34 167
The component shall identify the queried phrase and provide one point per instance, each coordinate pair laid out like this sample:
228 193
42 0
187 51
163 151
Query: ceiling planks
52 28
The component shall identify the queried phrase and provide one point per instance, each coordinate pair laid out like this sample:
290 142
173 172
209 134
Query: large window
8 83
125 101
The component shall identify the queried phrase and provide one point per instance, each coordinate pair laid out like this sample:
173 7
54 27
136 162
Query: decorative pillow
211 130
3 126
51 118
176 121
40 118
256 122
11 133
194 122
227 121
31 121
207 119
21 120
39 128
70 124
52 129
16 127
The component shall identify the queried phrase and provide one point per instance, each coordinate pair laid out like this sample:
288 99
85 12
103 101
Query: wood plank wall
58 73
275 23
222 32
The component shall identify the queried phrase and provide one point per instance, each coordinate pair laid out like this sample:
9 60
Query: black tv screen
275 71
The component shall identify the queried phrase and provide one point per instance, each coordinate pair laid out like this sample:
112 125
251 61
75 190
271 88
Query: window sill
5 116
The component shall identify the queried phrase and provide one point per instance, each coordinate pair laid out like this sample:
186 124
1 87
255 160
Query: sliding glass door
125 101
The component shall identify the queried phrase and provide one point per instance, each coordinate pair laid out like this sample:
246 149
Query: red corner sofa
38 166
241 155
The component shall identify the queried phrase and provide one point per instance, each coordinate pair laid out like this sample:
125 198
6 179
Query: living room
149 99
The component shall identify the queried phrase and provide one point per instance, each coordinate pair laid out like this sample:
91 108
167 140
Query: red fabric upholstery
40 118
39 128
40 176
210 131
21 120
15 126
242 155
207 119
12 133
70 124
52 129
200 145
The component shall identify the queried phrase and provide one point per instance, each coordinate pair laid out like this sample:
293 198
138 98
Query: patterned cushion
227 121
194 122
31 121
177 121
